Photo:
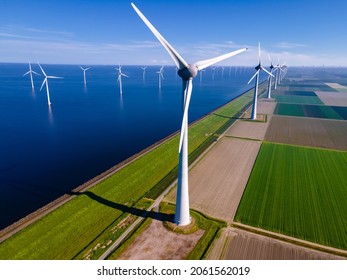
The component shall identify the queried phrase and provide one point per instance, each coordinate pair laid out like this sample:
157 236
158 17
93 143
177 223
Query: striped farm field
311 111
297 99
300 192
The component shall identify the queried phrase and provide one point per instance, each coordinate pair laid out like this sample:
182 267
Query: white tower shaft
255 98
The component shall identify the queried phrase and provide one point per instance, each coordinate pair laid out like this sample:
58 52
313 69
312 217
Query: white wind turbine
45 81
84 74
255 97
187 72
30 72
144 72
120 74
160 75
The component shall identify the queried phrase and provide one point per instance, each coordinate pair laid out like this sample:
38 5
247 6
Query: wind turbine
144 72
187 72
161 76
30 72
84 74
255 97
270 79
45 81
120 74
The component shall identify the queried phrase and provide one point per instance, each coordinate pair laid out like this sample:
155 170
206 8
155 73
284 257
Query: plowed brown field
236 244
323 133
217 182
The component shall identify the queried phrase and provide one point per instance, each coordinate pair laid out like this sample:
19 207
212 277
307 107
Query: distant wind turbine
45 81
160 75
187 72
30 72
255 97
144 72
84 74
120 74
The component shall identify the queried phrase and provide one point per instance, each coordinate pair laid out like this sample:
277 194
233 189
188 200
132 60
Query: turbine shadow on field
126 209
228 117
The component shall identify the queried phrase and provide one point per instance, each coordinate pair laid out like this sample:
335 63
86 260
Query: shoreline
56 203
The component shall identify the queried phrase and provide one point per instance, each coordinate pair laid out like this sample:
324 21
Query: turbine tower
84 74
187 72
270 79
256 76
161 76
30 72
120 74
45 81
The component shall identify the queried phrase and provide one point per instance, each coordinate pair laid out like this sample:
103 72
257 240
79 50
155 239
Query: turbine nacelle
188 73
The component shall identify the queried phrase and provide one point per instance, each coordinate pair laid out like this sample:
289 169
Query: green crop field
297 99
300 192
311 111
299 93
80 223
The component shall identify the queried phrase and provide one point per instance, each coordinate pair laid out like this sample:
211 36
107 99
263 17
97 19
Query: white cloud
288 45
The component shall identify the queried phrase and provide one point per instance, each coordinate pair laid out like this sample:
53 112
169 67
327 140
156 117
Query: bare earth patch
337 86
158 243
248 129
333 98
236 244
217 182
322 133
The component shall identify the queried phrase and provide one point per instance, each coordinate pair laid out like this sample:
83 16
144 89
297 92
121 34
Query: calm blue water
45 153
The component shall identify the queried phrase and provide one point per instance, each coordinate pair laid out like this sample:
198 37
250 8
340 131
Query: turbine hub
258 67
188 73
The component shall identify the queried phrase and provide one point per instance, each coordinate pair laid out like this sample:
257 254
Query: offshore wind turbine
187 72
45 81
120 74
30 72
144 72
259 67
84 74
160 75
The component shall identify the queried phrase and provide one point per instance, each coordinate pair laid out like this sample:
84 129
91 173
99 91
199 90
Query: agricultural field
236 244
248 129
311 111
217 182
337 87
297 92
300 192
297 99
333 98
322 133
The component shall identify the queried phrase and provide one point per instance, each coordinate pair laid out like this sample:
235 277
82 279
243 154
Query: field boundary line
289 239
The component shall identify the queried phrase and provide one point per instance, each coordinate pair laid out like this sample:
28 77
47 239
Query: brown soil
236 244
322 133
158 243
333 98
217 182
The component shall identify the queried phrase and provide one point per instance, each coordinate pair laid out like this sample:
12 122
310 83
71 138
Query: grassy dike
86 225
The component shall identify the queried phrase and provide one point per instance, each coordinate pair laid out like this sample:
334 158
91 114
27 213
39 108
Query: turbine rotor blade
179 61
188 95
54 77
42 70
208 62
27 73
44 81
256 73
262 68
35 73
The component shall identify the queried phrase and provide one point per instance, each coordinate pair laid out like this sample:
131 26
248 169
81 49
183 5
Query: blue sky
298 32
